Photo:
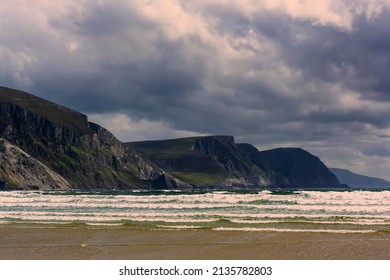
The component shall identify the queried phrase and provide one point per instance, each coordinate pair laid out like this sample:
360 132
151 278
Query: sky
273 73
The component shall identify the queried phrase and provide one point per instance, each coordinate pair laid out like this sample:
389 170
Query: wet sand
88 243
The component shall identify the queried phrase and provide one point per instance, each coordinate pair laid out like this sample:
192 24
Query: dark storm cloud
357 59
170 84
120 73
148 86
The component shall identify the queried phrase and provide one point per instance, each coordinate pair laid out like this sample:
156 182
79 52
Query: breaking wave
312 211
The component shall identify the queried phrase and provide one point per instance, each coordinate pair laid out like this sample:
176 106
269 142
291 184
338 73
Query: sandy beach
86 243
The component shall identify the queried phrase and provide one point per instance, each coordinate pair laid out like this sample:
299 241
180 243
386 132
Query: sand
93 243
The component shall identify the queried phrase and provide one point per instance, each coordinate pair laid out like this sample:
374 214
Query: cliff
218 161
61 140
212 161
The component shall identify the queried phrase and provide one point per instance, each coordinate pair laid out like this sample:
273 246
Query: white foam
105 224
179 227
360 208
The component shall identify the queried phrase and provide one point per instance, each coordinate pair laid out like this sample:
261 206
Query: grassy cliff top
173 146
52 112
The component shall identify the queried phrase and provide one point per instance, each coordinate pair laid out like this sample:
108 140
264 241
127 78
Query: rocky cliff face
292 167
21 171
84 154
237 164
195 160
202 160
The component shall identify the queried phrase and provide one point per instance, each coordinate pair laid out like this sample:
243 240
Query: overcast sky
273 73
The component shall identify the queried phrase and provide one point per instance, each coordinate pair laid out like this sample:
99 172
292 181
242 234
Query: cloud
124 127
272 73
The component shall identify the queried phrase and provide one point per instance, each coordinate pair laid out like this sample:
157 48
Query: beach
300 225
94 243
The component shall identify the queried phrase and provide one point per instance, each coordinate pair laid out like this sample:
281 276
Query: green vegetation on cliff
219 161
182 159
66 146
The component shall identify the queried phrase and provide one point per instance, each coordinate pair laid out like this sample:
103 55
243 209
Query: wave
256 210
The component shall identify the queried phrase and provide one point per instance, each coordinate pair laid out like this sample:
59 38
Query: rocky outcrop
63 141
237 164
223 149
25 172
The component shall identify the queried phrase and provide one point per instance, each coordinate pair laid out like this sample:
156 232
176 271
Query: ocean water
355 211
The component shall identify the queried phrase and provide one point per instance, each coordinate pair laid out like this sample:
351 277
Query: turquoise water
291 211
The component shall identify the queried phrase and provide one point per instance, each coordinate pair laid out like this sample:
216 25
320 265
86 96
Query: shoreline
109 243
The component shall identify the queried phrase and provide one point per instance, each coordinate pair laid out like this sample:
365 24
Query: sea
341 211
